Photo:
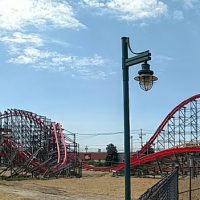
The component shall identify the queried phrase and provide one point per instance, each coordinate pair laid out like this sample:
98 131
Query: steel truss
182 128
176 138
33 145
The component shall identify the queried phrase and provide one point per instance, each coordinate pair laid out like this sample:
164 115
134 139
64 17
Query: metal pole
190 190
125 71
141 138
177 182
131 144
86 148
191 164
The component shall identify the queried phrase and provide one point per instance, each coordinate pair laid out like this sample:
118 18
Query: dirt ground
92 186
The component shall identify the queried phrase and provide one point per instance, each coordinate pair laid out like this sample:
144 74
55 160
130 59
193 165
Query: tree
112 155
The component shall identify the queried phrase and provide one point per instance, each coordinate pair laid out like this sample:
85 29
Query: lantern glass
146 81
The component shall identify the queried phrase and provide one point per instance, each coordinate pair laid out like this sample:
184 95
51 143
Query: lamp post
146 79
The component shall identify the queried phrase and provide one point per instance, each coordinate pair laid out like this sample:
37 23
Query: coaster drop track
177 137
33 145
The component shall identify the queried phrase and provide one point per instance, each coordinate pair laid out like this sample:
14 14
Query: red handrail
56 141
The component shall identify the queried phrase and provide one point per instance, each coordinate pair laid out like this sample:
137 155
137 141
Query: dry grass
184 186
92 186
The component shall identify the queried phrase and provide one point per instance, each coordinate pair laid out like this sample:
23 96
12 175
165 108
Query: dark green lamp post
146 79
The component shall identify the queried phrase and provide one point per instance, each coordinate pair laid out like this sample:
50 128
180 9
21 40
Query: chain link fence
165 189
189 184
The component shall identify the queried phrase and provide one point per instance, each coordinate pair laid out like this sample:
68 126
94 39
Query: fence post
177 185
191 165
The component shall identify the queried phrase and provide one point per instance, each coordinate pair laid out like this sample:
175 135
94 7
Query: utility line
115 133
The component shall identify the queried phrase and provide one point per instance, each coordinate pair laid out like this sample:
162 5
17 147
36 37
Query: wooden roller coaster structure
33 145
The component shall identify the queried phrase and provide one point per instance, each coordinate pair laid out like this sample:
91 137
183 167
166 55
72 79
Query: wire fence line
165 189
189 184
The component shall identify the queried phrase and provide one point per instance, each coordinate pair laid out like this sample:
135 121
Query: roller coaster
33 145
176 139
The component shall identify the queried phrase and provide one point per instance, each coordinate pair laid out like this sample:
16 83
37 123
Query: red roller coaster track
191 123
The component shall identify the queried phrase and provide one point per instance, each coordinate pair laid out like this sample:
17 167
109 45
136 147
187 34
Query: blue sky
62 59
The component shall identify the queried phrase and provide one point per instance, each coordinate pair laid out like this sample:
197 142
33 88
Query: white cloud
190 4
96 60
59 42
130 10
21 38
94 3
27 48
178 15
85 67
15 14
30 55
162 60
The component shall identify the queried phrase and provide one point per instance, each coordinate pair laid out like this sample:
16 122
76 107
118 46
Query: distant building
93 156
98 156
